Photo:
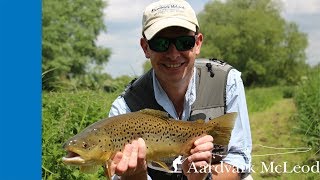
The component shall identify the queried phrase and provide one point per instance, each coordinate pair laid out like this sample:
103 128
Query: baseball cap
166 13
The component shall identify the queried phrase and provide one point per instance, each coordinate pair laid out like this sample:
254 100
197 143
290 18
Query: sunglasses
182 43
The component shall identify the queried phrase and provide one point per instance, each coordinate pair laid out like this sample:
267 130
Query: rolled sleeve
240 145
119 106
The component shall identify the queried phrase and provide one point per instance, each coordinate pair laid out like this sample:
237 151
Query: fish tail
220 128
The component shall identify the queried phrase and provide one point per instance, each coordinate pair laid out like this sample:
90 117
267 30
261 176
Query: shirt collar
164 101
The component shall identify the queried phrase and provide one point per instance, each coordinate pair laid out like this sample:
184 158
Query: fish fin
157 113
220 128
162 164
107 170
89 169
200 121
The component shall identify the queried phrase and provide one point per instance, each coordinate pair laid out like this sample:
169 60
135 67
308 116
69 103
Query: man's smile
173 65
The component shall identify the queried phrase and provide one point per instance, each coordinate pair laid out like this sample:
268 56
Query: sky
123 20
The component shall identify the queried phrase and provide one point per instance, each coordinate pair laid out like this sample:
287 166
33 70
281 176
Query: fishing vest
211 80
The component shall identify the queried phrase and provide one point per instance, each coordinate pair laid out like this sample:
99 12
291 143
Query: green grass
274 128
274 123
259 99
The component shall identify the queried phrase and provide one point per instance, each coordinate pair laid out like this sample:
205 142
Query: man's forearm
139 176
224 171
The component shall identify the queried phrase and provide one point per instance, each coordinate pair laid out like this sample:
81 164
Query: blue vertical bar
20 89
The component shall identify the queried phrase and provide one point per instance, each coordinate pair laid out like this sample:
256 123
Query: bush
64 114
288 91
307 99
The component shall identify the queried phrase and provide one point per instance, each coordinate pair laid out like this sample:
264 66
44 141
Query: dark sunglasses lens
185 43
159 44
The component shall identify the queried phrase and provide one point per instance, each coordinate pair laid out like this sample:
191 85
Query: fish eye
84 145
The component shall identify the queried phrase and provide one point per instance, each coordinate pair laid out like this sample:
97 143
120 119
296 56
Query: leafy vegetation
64 114
307 99
252 36
68 41
146 66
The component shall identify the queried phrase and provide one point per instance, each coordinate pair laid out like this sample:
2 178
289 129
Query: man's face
173 65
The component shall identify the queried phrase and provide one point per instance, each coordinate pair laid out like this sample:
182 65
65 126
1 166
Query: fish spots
72 142
159 133
95 131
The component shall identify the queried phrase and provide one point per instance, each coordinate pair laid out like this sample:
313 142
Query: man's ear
198 43
145 47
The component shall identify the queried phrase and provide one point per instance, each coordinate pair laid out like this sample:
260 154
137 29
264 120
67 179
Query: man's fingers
115 161
203 139
141 150
208 146
200 156
123 164
134 155
117 158
131 159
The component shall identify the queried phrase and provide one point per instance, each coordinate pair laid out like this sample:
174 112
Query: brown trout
164 137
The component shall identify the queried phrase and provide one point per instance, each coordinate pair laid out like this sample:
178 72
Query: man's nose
172 52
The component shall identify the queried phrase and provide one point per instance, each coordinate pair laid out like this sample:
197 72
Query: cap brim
168 22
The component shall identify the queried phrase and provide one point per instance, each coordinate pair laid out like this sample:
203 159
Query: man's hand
131 162
200 157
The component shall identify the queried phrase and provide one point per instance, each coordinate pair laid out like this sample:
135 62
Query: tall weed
307 99
64 114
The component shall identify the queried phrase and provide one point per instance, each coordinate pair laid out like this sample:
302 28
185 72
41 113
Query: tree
252 36
69 30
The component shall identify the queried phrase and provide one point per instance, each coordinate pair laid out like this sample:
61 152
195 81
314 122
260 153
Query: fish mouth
77 158
73 158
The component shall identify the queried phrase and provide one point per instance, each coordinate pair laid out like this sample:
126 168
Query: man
171 40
